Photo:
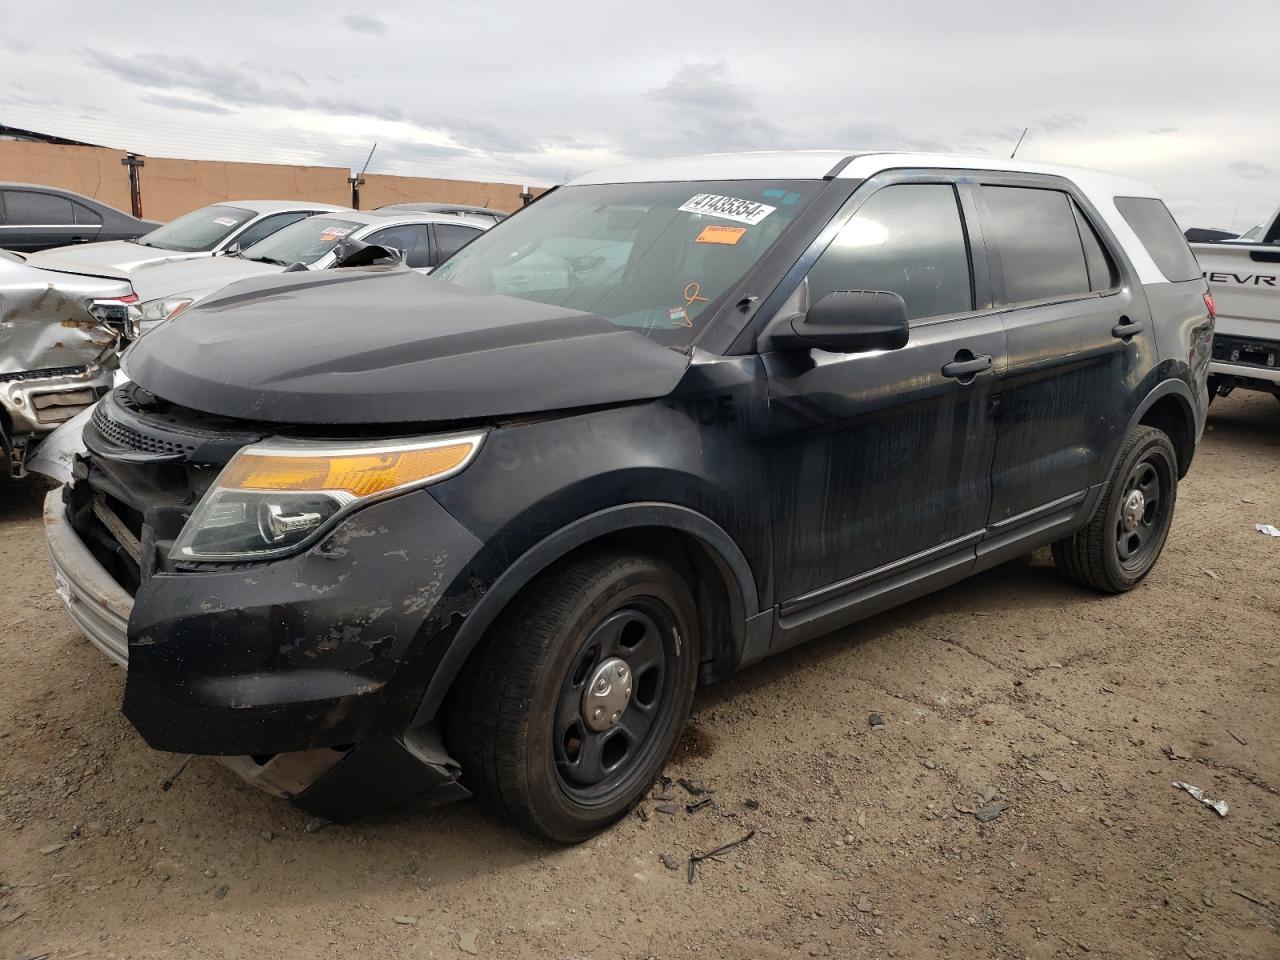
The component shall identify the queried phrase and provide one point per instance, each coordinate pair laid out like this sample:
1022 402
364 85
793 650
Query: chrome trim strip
99 606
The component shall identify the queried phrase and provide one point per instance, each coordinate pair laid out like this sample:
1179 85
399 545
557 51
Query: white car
424 239
207 232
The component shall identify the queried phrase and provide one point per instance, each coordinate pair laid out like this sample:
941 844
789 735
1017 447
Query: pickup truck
1244 277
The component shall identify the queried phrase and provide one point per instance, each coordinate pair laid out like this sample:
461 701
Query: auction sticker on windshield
728 208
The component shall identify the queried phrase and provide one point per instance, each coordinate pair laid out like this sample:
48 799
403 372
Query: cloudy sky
1182 93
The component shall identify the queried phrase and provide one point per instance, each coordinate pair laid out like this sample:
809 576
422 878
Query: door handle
1126 328
966 366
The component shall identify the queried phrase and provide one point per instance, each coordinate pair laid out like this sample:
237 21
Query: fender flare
558 545
1164 388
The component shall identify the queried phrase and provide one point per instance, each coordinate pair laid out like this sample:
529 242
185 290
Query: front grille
131 439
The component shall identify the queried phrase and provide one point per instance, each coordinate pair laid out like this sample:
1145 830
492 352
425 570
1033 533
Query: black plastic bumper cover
330 647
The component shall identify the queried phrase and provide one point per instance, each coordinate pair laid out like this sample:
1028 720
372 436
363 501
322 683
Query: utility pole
134 163
358 180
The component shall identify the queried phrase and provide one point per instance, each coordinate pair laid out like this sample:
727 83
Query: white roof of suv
1101 188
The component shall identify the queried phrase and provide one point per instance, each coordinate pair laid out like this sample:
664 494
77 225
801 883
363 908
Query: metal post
134 163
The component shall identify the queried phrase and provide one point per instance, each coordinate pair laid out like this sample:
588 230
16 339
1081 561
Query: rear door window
29 208
1102 272
86 216
452 237
1155 227
410 239
1039 243
907 238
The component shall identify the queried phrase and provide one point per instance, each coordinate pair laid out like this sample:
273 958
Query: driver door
881 461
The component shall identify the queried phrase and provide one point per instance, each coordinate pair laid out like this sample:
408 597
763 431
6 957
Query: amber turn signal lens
359 474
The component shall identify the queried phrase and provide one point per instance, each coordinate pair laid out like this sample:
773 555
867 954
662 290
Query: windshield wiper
271 260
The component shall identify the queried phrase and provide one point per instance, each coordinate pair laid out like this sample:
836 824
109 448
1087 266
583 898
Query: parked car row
374 534
120 288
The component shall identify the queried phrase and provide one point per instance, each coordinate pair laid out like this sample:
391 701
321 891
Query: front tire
1128 529
569 712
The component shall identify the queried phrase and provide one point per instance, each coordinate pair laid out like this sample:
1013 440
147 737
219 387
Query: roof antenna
1019 143
358 179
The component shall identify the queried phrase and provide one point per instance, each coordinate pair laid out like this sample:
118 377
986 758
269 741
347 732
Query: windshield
652 257
198 231
303 242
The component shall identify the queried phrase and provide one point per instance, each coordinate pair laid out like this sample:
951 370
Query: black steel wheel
612 697
575 702
1143 518
1129 527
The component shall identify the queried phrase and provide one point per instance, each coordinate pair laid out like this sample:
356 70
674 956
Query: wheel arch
724 587
1170 407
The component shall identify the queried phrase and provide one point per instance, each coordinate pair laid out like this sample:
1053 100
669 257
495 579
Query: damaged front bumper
185 695
36 402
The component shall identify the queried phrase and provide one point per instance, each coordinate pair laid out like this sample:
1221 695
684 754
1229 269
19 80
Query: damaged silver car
60 335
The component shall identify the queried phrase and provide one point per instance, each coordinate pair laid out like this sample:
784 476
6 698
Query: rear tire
1127 532
537 740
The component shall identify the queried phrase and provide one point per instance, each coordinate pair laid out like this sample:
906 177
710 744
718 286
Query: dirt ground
1075 710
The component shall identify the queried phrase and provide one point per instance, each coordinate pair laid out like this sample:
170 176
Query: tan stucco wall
172 187
381 189
93 171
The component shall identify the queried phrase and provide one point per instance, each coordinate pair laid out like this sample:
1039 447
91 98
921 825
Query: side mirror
232 249
845 321
356 253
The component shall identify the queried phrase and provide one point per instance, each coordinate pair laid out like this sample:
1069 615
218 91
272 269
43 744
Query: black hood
382 345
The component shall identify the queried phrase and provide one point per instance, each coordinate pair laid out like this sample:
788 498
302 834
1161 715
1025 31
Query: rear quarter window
1155 227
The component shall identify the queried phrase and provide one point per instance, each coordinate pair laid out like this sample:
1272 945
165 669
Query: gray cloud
226 85
1060 123
1250 170
183 103
705 111
363 23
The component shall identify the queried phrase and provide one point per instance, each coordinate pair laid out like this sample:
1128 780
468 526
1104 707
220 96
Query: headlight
275 496
166 308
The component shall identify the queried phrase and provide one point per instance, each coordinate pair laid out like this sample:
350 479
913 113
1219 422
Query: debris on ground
697 805
693 787
467 941
864 904
171 779
668 861
405 921
670 809
51 848
875 720
311 826
751 803
929 765
991 811
1211 575
642 813
1217 806
696 858
1238 739
1269 529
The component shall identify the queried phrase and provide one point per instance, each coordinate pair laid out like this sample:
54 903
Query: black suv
372 534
